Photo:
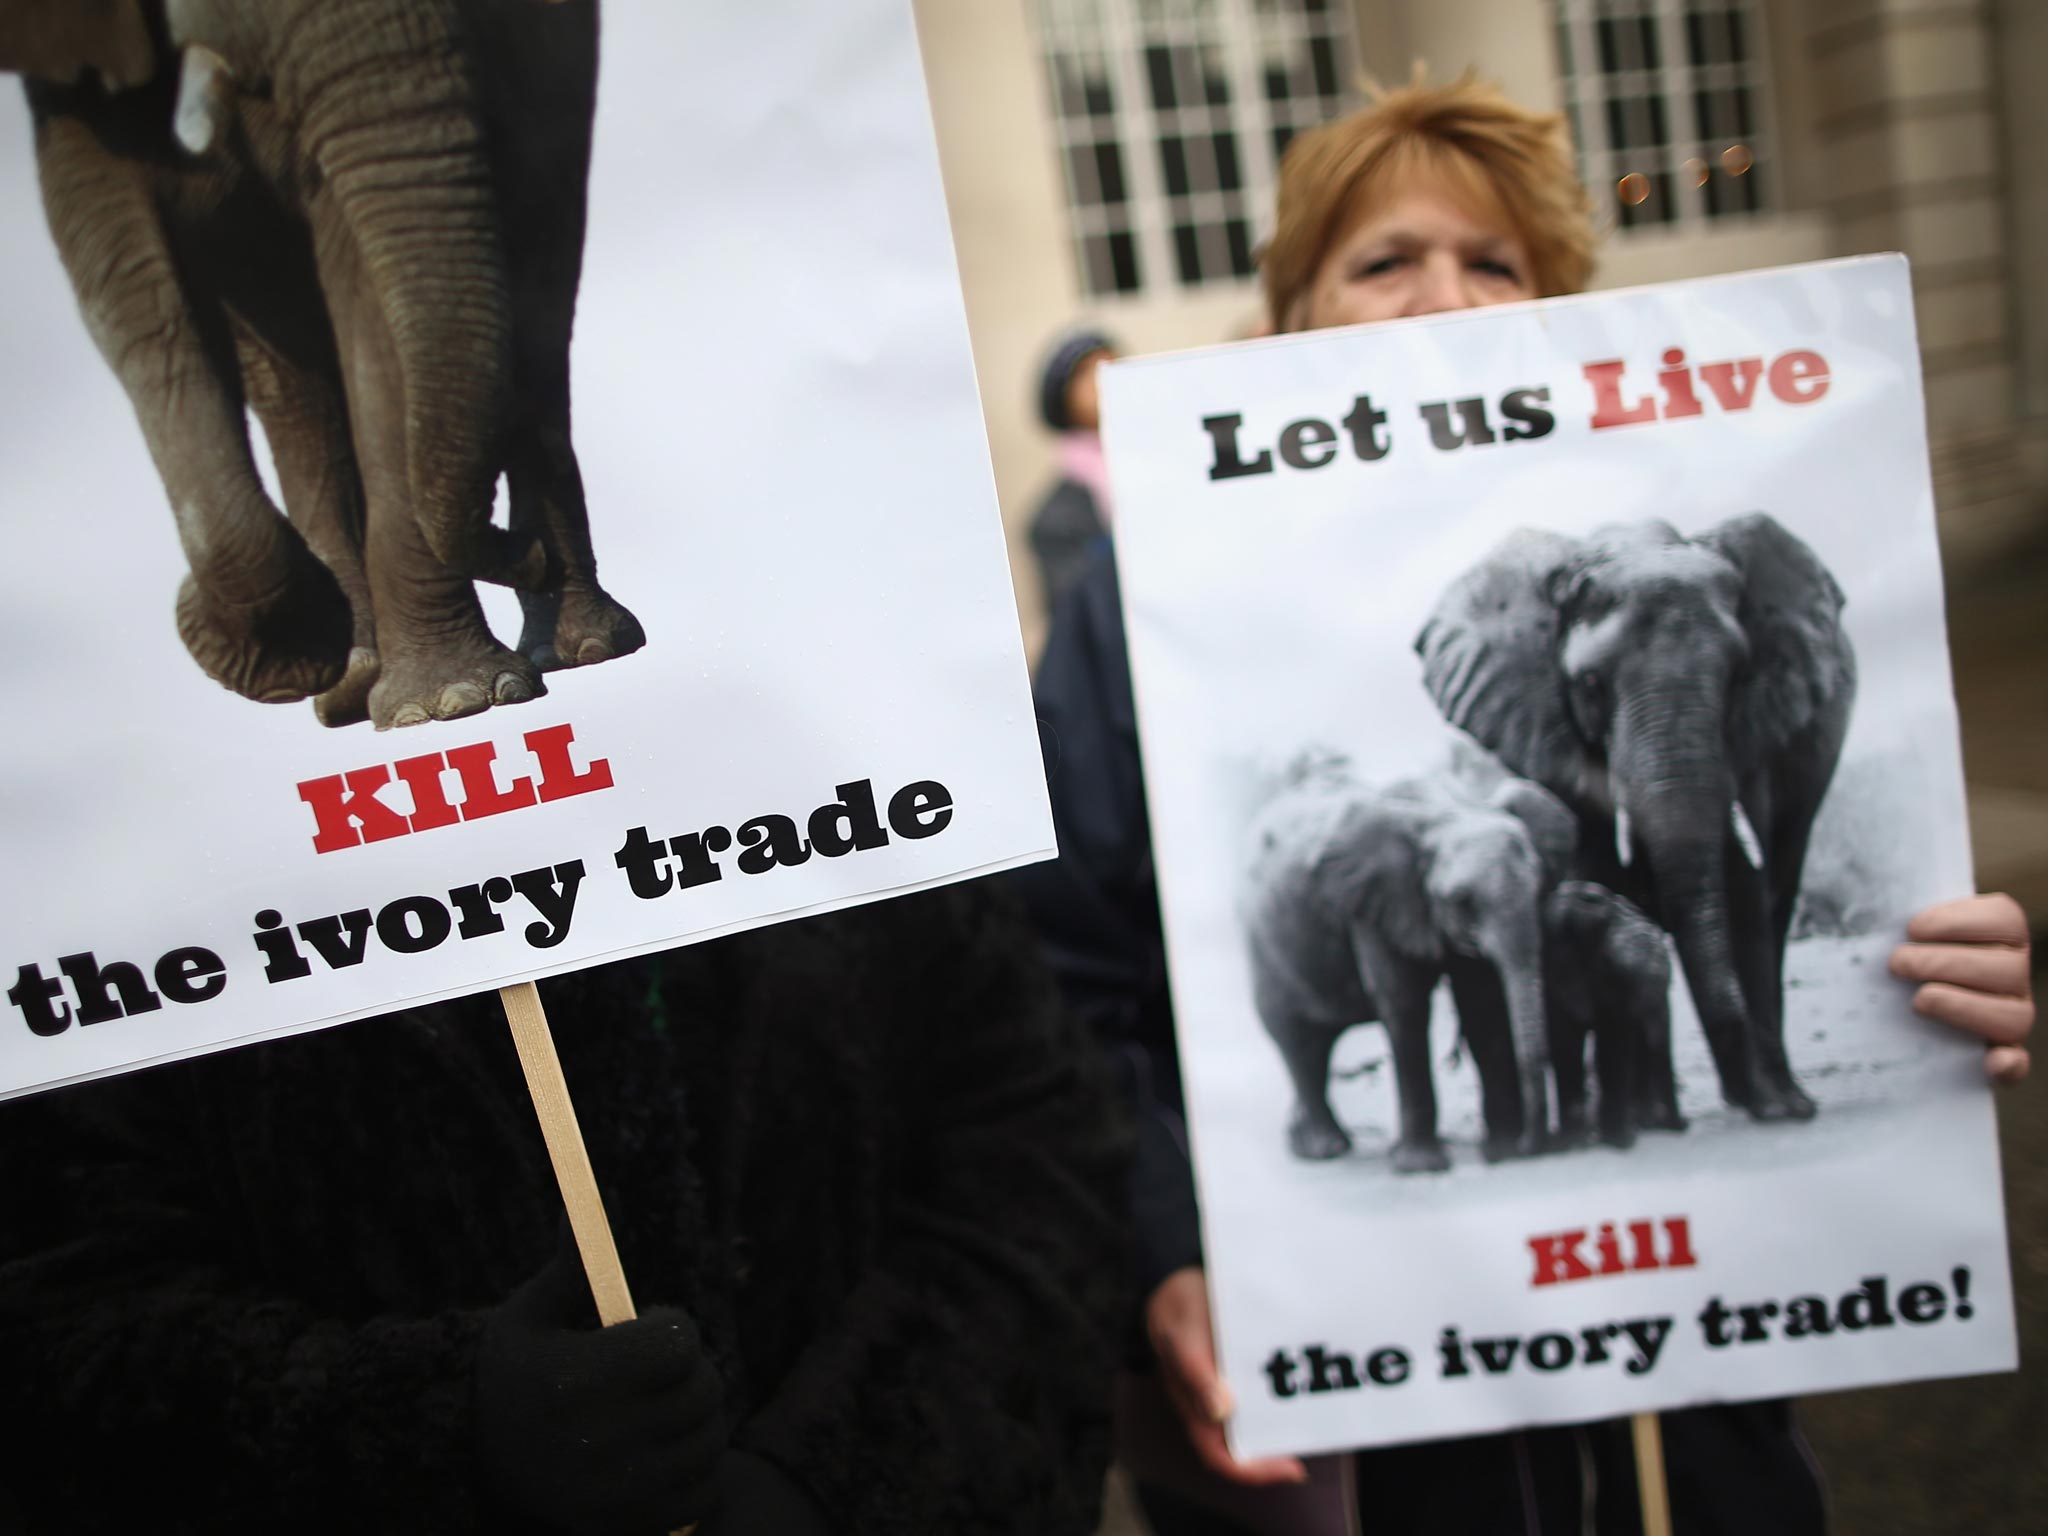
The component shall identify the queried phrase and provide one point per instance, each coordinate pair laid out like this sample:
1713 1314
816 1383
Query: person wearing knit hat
1074 515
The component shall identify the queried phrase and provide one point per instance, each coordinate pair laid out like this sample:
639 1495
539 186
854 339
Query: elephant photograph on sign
1358 901
1687 698
363 222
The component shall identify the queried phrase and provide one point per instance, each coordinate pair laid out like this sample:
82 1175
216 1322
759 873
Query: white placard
1304 530
788 484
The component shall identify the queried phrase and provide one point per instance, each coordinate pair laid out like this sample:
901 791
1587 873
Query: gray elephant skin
363 220
1358 901
1607 986
1688 698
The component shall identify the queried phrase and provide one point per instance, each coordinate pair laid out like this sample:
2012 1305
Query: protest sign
792 678
1548 732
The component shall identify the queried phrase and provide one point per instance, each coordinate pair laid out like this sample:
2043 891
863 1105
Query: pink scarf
1081 459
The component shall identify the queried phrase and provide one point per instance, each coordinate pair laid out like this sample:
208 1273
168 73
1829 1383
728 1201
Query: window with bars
1669 103
1171 116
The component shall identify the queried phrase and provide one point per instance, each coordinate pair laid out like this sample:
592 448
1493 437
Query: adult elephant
1357 902
362 219
1687 697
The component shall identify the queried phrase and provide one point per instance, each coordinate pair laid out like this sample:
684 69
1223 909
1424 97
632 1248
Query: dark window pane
1159 69
1173 164
1081 169
1703 114
1751 190
1101 267
1743 126
1214 85
1282 137
1738 39
1318 7
1324 53
1617 125
1228 174
1241 248
1123 253
1278 86
1665 201
1651 58
1660 130
1716 191
1101 101
1610 60
1187 253
1695 38
1109 169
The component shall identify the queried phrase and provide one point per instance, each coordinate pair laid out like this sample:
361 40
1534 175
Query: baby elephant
1358 901
1607 975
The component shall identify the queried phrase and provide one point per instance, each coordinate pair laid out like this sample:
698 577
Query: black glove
607 1431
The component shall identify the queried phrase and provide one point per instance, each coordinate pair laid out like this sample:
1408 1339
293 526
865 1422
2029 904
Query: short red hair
1500 160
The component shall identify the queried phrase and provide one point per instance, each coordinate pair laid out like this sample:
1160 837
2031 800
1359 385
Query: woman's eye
1380 266
1498 269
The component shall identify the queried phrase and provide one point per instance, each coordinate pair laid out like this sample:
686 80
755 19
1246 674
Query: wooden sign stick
558 1127
1656 1497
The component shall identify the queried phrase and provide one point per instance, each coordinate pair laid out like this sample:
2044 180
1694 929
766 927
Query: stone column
1906 111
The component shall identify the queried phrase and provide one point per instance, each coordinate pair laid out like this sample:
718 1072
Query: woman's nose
1440 286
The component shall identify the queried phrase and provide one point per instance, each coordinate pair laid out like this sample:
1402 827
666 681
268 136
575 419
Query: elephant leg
436 656
1773 1093
294 386
1484 1026
1305 1046
539 84
1569 1028
259 612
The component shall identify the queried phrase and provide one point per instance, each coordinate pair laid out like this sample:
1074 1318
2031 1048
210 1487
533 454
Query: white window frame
1244 31
1587 91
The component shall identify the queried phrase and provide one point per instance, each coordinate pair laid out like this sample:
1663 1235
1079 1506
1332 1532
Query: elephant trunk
1515 950
388 114
1672 779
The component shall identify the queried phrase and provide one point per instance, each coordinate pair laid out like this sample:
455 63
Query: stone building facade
1086 166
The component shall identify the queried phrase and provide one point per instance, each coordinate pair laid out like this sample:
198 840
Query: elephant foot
414 690
1573 1131
1660 1117
1501 1149
290 647
1780 1101
577 627
1620 1132
1421 1157
1316 1139
348 701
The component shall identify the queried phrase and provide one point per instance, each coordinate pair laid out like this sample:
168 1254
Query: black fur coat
243 1293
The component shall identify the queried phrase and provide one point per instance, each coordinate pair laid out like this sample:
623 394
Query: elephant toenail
411 714
592 651
459 699
512 688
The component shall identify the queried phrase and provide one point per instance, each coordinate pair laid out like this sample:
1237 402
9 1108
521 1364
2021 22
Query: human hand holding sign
1177 1325
1972 960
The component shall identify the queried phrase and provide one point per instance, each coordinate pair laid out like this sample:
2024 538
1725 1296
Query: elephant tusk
1624 845
1745 834
206 95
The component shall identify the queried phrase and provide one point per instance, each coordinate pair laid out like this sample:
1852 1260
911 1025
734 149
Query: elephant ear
1489 659
60 40
1372 870
1801 669
1552 827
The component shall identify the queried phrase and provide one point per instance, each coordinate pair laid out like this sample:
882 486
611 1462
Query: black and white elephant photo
1688 698
1358 901
361 220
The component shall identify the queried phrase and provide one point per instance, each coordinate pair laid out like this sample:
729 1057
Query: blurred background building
1113 160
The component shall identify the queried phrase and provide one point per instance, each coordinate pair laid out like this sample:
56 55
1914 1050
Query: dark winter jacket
863 1151
1742 1470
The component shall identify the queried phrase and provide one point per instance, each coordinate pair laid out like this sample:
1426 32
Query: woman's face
1417 254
